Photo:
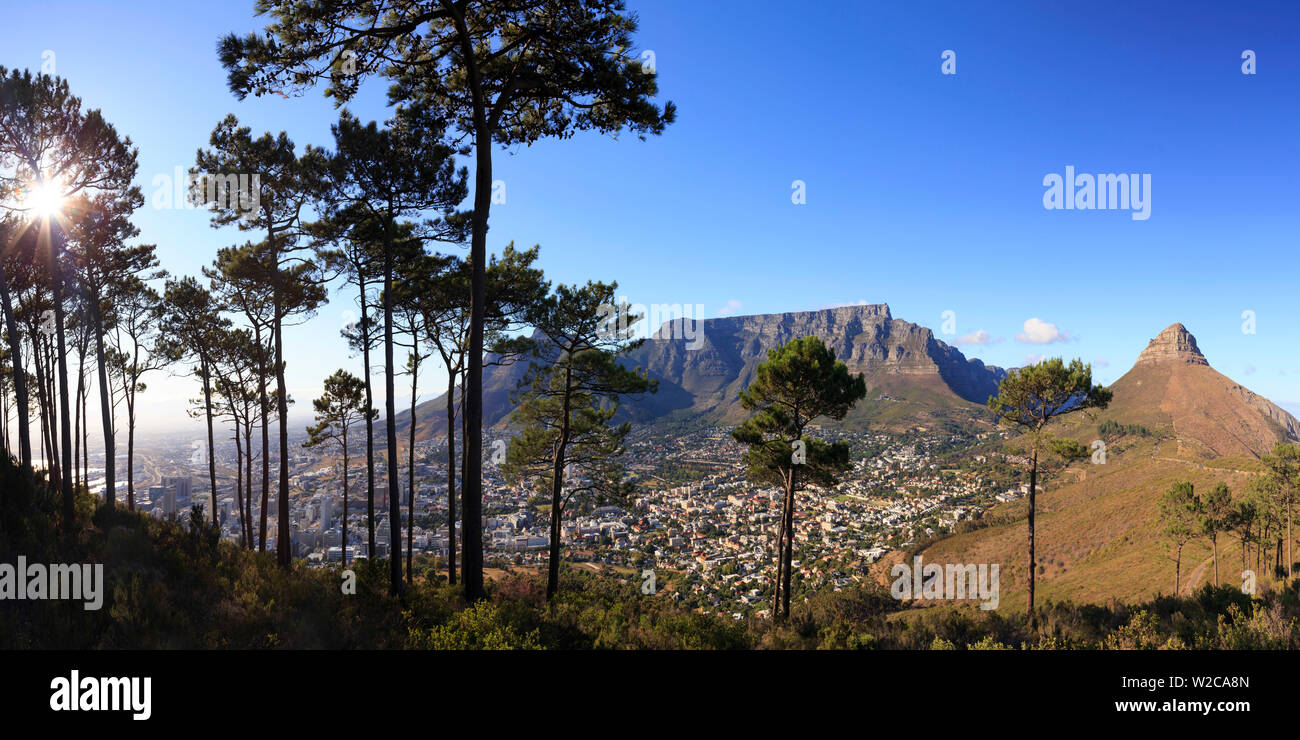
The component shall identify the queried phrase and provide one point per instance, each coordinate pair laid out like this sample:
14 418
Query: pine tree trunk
77 472
248 475
85 440
239 485
557 485
557 490
65 413
284 543
390 417
130 458
20 375
472 480
266 436
464 465
789 547
105 404
451 477
1290 561
370 423
52 400
410 460
1033 492
43 400
780 564
345 495
212 443
1178 571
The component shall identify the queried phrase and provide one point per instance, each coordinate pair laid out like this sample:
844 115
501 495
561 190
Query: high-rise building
182 484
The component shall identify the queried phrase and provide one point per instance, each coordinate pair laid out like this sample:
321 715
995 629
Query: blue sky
924 190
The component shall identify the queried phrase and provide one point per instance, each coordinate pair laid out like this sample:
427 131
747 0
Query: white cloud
1038 331
978 338
1101 362
1033 359
842 304
732 307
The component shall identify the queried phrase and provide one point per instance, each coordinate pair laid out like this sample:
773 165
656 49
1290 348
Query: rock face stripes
1174 344
702 370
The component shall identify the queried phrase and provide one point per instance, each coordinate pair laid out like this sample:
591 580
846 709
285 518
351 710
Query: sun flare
43 201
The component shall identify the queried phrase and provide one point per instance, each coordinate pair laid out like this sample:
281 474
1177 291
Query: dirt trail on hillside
1195 577
1200 466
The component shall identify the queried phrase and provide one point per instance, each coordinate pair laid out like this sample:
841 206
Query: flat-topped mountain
912 377
902 362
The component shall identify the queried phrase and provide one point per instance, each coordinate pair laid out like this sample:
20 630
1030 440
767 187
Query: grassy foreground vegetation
169 586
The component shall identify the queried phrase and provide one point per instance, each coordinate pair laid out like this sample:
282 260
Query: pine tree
568 445
1181 521
49 144
342 405
1029 399
193 327
241 278
10 235
1216 518
359 258
281 185
513 287
502 72
800 382
1283 470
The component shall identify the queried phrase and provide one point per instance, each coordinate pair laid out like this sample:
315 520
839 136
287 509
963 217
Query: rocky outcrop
1173 388
702 370
1174 344
1287 423
867 338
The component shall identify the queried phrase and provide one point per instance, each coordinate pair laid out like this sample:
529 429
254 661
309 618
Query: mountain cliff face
912 377
1174 344
900 360
1172 386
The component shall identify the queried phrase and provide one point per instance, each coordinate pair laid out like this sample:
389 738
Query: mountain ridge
907 368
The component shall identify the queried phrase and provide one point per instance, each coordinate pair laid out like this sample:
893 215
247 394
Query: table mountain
912 377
